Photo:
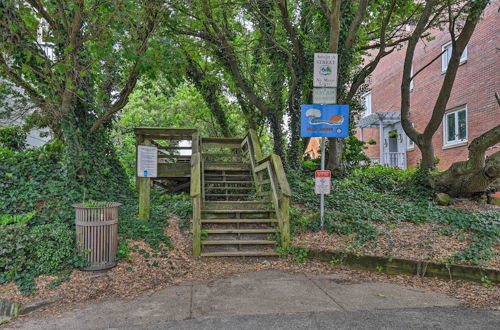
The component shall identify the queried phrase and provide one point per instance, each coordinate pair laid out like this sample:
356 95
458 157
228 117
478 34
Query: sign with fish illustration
331 120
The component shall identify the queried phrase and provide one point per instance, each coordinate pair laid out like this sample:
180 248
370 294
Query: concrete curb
408 267
10 309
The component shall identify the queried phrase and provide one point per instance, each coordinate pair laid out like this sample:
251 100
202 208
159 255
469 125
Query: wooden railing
196 191
270 180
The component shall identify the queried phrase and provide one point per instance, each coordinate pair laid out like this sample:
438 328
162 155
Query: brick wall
476 83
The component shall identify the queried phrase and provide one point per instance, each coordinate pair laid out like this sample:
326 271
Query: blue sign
325 120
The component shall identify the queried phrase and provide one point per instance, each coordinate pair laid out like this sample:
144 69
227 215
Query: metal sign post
325 119
322 196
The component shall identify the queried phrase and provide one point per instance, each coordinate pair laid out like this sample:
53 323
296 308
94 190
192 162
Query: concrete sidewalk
258 293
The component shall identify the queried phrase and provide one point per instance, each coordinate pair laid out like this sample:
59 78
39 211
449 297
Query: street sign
325 70
147 162
324 120
322 184
324 95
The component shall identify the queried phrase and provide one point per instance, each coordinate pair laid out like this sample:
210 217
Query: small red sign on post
323 182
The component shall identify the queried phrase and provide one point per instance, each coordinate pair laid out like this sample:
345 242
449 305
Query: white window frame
368 109
445 57
457 141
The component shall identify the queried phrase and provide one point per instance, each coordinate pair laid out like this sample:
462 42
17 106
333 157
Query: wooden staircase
240 199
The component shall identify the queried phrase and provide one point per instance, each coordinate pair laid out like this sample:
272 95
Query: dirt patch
128 280
419 242
471 205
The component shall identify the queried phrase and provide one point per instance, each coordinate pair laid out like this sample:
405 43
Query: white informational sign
323 182
325 70
147 162
324 95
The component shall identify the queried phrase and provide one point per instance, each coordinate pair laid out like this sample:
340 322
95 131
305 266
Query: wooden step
242 231
228 182
229 188
228 195
239 221
262 205
238 211
258 201
240 254
238 242
225 166
211 154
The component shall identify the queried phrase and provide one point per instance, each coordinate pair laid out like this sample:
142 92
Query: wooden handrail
280 189
196 192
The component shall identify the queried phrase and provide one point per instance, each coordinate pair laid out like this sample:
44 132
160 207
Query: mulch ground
128 280
420 242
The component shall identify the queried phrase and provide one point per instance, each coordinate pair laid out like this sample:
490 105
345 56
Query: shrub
28 252
383 194
37 225
13 138
52 248
13 250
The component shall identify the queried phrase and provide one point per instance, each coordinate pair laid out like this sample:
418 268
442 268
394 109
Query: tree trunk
335 151
277 131
427 150
474 175
295 148
335 145
90 157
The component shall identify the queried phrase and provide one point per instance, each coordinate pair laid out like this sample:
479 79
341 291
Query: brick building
472 108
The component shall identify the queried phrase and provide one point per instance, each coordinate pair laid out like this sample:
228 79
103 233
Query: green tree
75 64
477 173
266 50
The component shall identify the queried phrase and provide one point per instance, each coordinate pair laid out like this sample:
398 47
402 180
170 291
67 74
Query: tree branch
476 160
132 78
46 16
410 131
356 23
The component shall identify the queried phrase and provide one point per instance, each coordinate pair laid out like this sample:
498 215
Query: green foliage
6 219
299 254
353 155
178 204
151 231
153 104
382 194
94 204
37 220
13 138
52 248
204 234
123 252
28 252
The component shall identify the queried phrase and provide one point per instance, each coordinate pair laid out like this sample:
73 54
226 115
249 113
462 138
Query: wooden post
196 226
285 227
284 202
144 198
196 201
144 192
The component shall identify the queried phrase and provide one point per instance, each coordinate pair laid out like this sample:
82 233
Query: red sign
323 182
323 174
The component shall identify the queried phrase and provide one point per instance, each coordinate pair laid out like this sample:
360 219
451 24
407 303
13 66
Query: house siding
476 83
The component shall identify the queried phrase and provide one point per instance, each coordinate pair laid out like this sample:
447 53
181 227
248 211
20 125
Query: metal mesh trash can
97 231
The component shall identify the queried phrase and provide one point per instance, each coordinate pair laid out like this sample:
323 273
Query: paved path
261 299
